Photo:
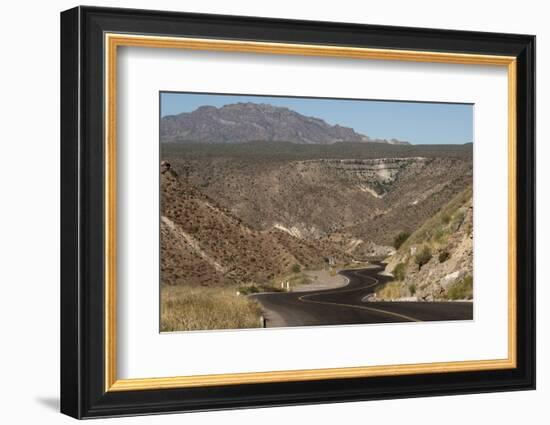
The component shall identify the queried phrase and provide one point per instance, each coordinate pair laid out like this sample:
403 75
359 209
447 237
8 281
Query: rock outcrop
436 261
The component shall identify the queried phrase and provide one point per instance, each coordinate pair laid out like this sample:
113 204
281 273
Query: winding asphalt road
346 305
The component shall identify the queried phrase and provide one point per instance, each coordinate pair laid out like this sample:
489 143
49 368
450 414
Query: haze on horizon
415 122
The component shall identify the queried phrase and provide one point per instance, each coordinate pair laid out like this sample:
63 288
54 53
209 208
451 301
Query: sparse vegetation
288 151
432 232
458 218
390 291
293 280
444 256
300 279
423 256
246 290
399 272
355 265
257 288
379 187
440 234
462 290
446 235
400 239
187 309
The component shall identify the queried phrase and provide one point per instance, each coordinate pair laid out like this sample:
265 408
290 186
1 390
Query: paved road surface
345 305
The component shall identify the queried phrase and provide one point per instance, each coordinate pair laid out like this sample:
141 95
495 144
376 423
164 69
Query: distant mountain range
246 122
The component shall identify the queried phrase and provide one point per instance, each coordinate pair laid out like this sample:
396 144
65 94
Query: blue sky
415 122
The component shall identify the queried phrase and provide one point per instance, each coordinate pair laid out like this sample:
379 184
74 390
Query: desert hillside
205 244
319 195
436 261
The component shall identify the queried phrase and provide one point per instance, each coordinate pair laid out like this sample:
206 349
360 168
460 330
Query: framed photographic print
261 212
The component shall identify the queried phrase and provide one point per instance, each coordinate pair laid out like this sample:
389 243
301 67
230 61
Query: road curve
345 305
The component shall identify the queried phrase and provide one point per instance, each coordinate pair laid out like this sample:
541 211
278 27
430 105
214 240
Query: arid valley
272 218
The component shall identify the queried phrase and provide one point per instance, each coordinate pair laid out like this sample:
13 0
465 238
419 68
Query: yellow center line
377 310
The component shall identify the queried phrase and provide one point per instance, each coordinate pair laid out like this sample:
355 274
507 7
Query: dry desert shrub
390 291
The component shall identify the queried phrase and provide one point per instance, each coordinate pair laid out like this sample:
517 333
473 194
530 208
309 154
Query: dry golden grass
391 290
190 309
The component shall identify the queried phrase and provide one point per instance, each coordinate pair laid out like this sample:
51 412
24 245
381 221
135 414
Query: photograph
284 211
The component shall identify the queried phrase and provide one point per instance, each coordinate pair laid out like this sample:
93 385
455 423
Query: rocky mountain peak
248 121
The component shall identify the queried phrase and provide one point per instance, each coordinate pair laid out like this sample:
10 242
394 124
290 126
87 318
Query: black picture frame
83 392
